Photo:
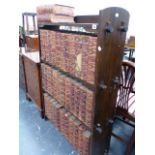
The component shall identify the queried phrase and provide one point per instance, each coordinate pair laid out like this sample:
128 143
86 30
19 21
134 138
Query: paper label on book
78 62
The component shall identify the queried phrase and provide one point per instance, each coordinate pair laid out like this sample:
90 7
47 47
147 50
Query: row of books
70 126
71 93
72 53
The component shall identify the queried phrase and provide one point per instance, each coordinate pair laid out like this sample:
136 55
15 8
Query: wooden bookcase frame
111 26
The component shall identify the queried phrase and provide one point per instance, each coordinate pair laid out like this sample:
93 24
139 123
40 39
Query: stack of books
55 13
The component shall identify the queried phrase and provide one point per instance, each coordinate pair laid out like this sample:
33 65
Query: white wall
83 7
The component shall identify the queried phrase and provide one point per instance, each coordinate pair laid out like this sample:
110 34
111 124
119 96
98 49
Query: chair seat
125 104
124 113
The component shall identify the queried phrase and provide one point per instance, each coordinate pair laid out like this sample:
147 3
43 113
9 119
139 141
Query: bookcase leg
108 139
42 114
28 98
45 118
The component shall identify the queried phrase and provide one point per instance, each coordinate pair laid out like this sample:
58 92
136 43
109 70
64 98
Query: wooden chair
31 31
125 110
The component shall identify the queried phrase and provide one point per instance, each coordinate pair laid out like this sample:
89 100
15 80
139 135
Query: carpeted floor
40 137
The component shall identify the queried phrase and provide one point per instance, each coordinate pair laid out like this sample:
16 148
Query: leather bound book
87 135
62 120
66 124
81 129
76 124
51 18
56 9
71 129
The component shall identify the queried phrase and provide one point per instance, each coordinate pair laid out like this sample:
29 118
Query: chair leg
130 144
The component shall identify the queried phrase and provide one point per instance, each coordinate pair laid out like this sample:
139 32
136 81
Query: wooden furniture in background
31 60
125 106
29 23
31 31
88 129
32 43
32 77
131 47
131 42
21 72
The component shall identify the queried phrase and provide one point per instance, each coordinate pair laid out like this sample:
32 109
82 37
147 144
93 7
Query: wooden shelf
110 31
